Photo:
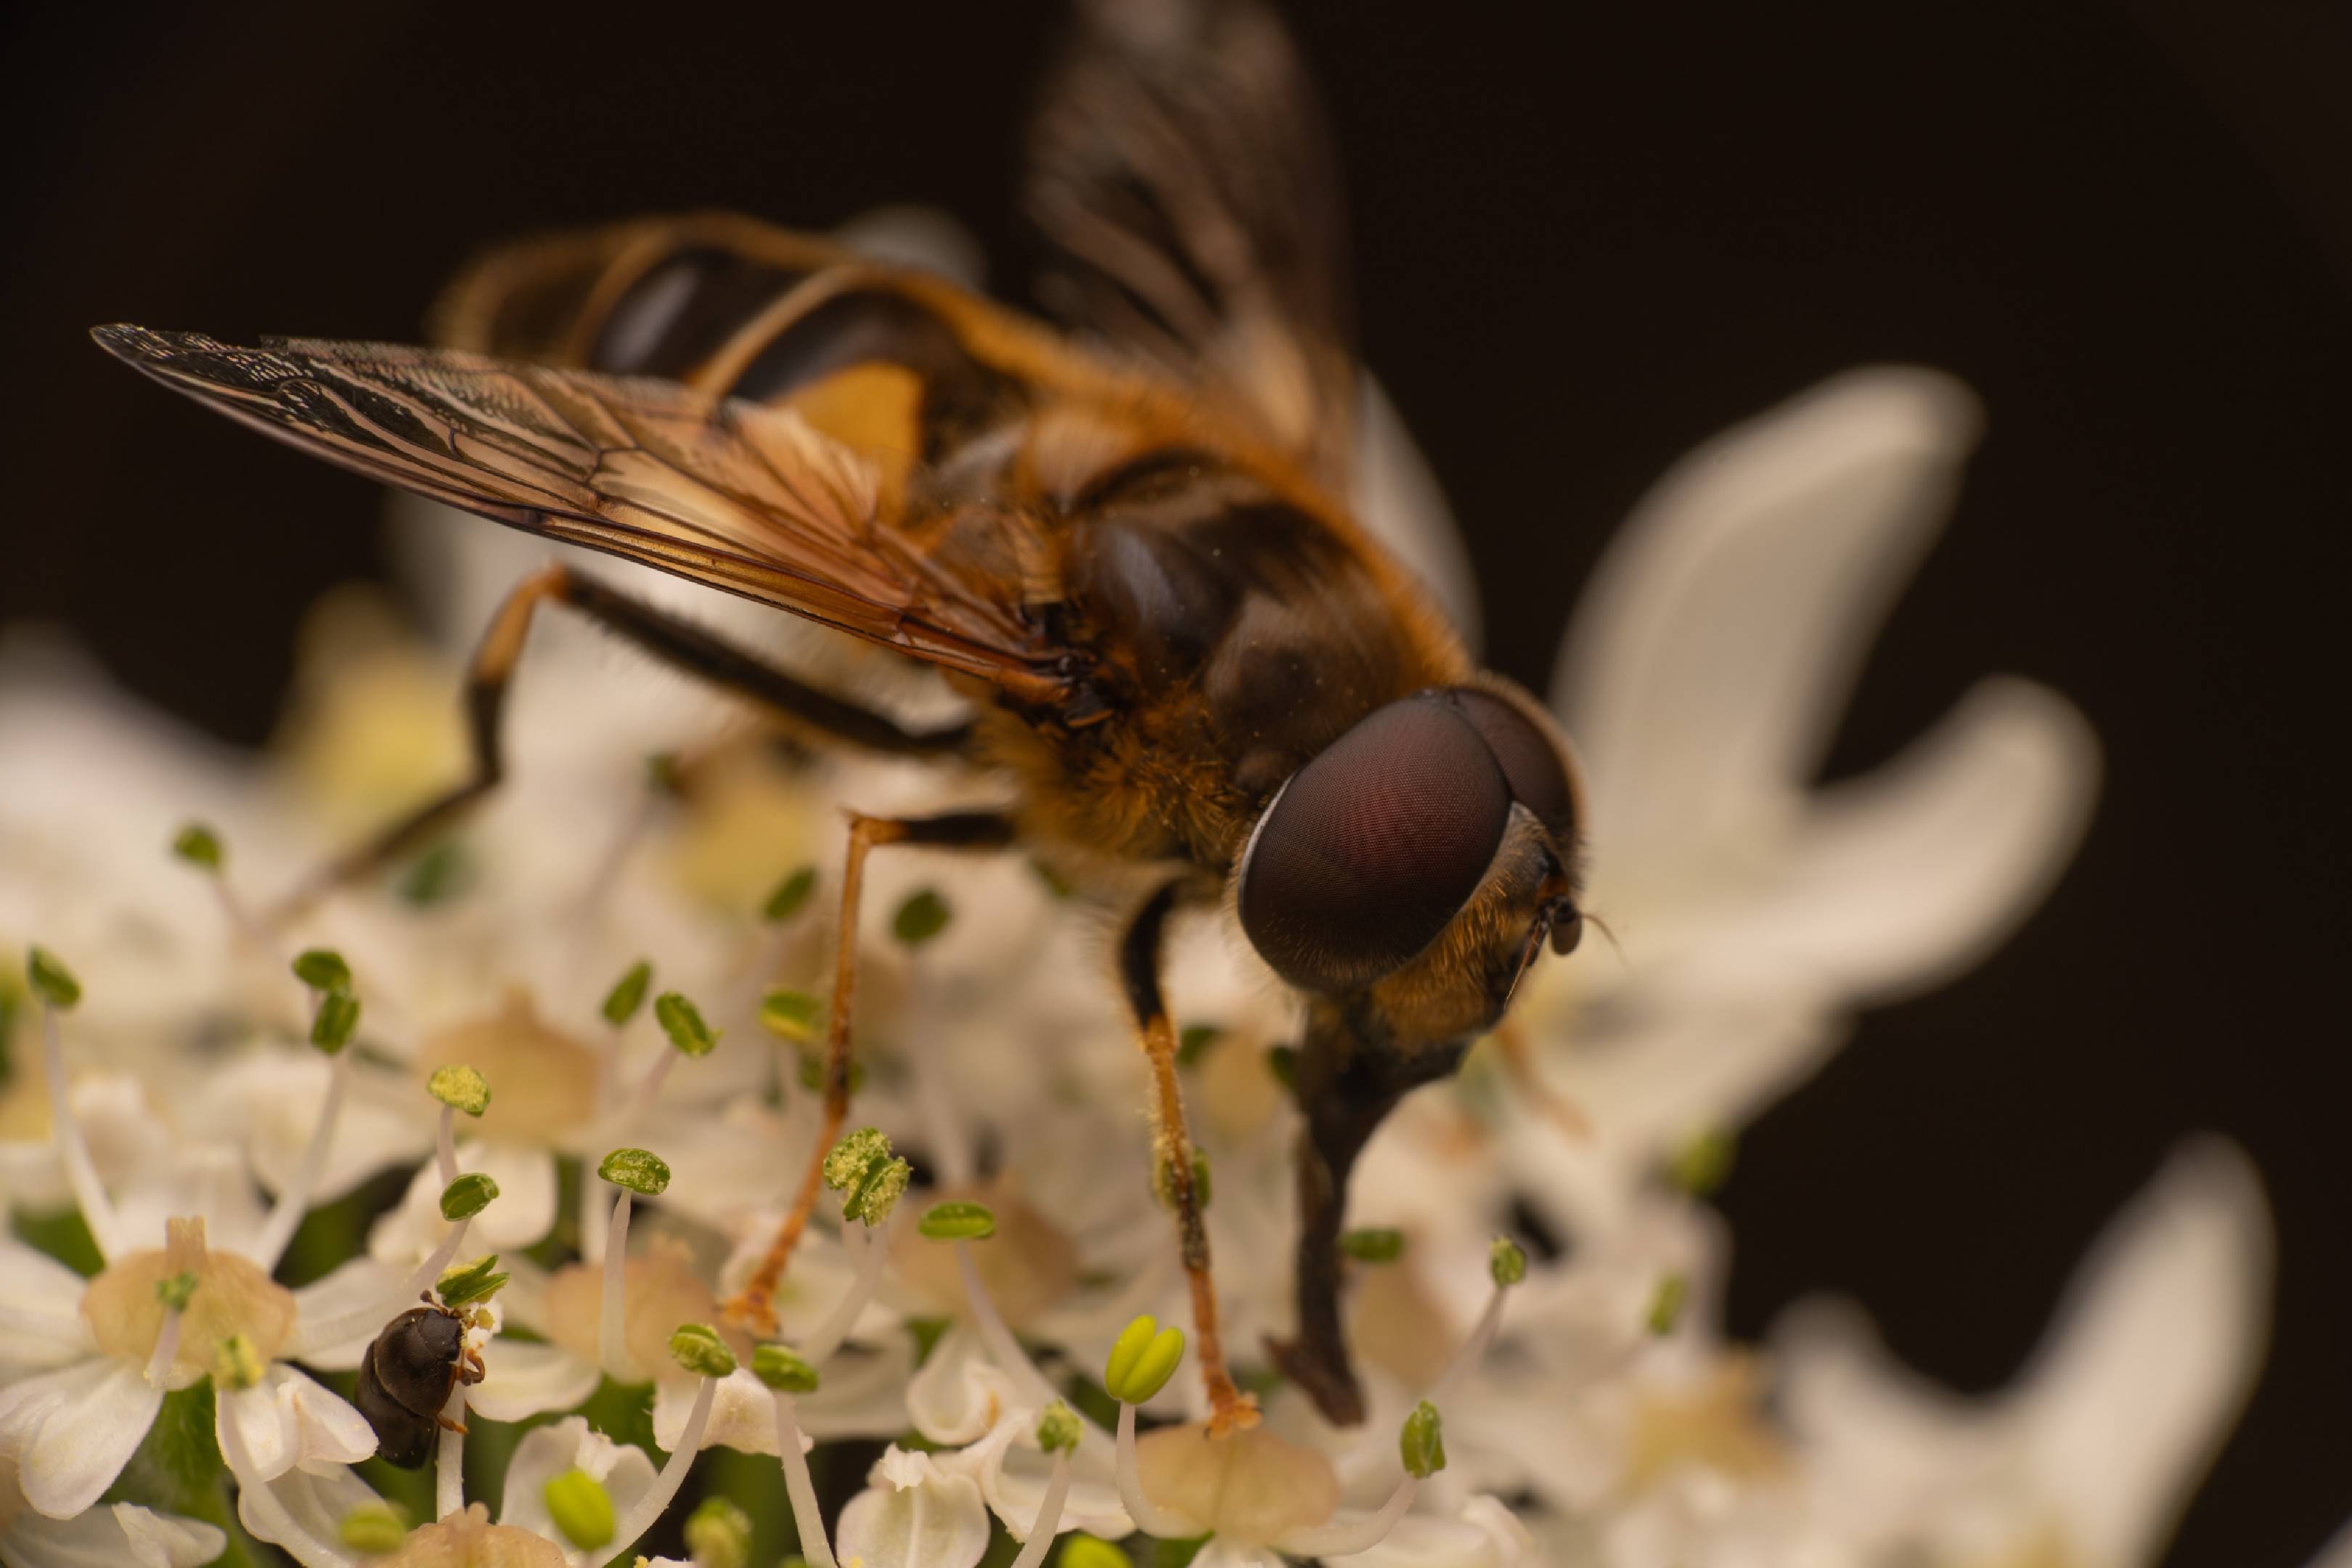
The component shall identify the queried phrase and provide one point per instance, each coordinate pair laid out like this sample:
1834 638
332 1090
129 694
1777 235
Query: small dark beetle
406 1378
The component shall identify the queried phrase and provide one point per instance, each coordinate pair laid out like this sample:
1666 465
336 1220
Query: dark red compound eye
1529 761
1372 847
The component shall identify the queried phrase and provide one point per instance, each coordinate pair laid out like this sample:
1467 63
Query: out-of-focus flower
122 1536
913 1514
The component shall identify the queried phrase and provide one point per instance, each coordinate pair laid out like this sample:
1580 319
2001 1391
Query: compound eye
1372 847
1538 779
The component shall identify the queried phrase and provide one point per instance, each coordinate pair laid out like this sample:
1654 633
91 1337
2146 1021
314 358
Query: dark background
1579 250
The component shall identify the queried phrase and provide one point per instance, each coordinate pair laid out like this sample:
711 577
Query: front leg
753 1307
1346 1087
1138 968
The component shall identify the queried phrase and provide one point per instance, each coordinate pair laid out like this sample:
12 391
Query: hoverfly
1122 540
406 1378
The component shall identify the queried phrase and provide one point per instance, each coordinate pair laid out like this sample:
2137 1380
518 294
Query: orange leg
753 1307
1230 1408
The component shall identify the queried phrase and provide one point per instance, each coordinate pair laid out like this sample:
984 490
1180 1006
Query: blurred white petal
318 1501
110 1538
913 1514
207 1180
546 1452
520 1216
350 1287
1014 1474
527 1379
1713 650
959 1393
41 1325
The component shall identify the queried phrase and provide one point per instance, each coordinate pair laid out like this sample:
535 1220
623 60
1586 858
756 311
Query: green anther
1057 1429
960 1221
373 1530
322 969
640 1170
1666 1304
697 1348
199 845
237 1365
790 1015
718 1534
468 1195
782 1368
1373 1244
175 1292
1282 1061
628 993
662 774
1194 1039
846 1165
1092 1552
1056 885
1506 1260
580 1508
1422 1444
684 1025
52 982
331 1025
1142 1361
790 895
475 1282
438 874
1703 1164
923 916
878 1193
1164 1188
459 1088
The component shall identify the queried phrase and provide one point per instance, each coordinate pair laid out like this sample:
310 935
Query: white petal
110 1538
528 1379
521 1216
2337 1553
546 1452
349 1287
1013 1473
742 1414
2155 1351
1715 647
1486 1534
864 1393
207 1179
1902 878
959 1393
1399 501
41 1325
318 1502
287 1421
913 1514
74 1430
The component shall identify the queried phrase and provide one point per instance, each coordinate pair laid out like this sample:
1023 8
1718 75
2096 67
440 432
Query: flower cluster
330 1233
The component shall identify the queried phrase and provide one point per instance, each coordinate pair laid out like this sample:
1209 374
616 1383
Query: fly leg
1138 966
668 637
1346 1087
753 1307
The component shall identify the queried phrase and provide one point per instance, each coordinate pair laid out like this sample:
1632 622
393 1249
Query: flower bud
52 982
790 895
1142 1361
922 917
960 1221
1422 1442
782 1368
684 1025
1057 1429
718 1534
580 1508
322 969
200 846
468 1195
460 1089
697 1348
641 1171
628 993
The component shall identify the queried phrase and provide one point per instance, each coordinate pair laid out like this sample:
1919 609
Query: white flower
2092 1453
122 1536
1701 680
913 1514
72 1428
546 1452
